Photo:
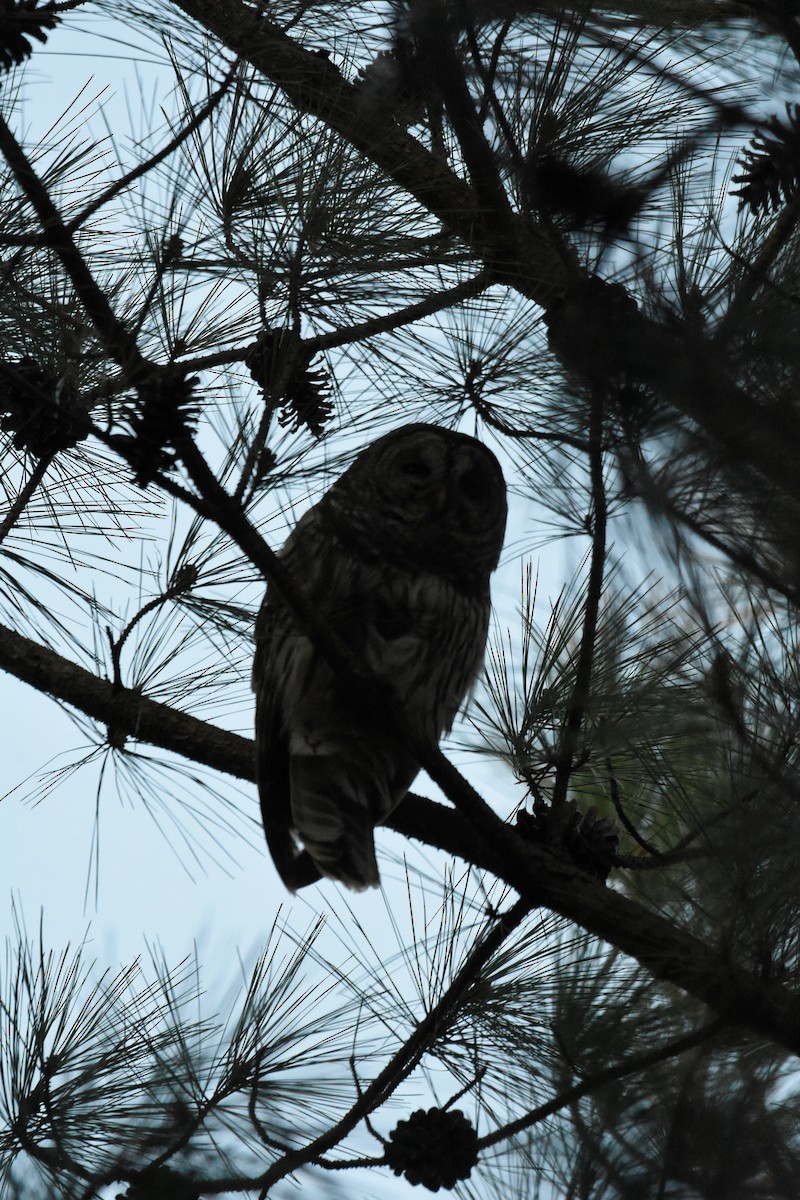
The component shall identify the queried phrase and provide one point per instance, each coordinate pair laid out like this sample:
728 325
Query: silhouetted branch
598 1079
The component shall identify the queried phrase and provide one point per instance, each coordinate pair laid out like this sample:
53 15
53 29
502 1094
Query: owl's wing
295 866
331 806
327 773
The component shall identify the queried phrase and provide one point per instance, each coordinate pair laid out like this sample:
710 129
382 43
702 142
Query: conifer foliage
572 232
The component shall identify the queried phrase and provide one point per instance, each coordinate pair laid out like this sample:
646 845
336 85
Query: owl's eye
474 484
415 468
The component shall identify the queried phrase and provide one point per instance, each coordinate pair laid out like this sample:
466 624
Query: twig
757 270
628 1066
349 334
137 172
406 1058
594 588
124 708
404 316
624 818
489 94
490 418
435 43
669 858
488 74
25 493
175 589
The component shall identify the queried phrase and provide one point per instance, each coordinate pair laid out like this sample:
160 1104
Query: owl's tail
331 814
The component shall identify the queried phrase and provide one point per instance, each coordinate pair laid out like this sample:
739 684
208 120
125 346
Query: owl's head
426 497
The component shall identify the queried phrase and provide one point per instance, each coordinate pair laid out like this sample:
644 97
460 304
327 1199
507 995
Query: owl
395 559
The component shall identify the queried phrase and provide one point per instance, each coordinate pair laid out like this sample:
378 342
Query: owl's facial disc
418 476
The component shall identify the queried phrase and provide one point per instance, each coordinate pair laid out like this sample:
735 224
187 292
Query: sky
47 851
108 879
112 880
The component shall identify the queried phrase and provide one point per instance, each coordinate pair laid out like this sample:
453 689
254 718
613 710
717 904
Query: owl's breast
427 638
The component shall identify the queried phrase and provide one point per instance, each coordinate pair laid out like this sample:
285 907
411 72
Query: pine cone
279 360
771 164
592 841
595 329
159 423
434 1148
41 412
19 22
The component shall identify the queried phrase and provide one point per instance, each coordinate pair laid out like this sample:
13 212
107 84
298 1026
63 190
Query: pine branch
349 335
542 878
409 1054
594 590
520 255
633 1065
690 374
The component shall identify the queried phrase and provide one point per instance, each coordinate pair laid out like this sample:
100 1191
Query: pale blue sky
141 894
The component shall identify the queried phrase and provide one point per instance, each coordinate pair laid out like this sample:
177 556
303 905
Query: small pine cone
281 365
159 423
593 842
183 580
160 1183
267 461
20 21
595 331
532 825
266 358
386 87
433 1147
41 412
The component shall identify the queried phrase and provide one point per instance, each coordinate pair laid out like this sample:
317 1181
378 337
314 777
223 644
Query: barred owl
396 559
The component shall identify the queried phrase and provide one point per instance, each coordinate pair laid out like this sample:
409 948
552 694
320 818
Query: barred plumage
396 558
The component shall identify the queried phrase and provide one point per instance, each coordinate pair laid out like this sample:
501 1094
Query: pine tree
571 231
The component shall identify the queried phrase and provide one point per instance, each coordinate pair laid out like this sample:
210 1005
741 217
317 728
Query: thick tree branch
541 875
519 254
124 709
690 372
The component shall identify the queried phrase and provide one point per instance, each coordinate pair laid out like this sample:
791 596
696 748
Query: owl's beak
440 499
